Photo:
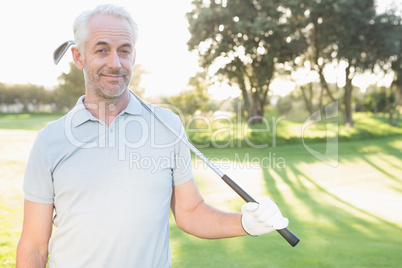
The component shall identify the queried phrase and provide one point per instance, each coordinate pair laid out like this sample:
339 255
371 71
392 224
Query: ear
78 58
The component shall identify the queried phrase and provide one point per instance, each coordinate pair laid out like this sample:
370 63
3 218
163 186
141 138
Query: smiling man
107 63
81 179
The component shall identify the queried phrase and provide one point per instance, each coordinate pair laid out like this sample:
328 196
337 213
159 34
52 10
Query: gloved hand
262 217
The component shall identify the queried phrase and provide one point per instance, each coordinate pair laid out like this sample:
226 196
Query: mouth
112 77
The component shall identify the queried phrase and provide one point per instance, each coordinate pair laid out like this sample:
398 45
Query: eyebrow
101 43
127 45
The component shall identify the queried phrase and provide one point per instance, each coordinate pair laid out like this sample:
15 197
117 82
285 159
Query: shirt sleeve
183 170
38 182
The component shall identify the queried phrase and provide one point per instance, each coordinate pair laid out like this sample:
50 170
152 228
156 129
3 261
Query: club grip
285 233
292 239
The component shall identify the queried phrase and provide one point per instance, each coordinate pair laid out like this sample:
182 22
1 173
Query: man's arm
196 217
32 250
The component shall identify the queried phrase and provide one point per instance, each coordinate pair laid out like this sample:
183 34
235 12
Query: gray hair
80 26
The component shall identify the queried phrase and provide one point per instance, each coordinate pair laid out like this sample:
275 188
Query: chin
112 93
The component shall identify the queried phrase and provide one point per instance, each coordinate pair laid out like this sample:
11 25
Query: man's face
109 56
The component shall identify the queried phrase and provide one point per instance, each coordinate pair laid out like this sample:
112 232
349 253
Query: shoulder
53 129
57 129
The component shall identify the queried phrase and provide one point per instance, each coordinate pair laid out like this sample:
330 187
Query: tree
385 40
194 99
396 66
24 95
352 44
307 94
397 82
71 87
251 37
351 32
321 37
138 72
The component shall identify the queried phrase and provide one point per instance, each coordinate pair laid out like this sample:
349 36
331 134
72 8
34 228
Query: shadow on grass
333 231
382 170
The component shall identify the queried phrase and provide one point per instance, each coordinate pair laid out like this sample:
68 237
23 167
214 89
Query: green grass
279 131
10 231
231 132
26 121
346 216
336 229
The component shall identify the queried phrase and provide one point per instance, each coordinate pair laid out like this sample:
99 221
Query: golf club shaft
287 234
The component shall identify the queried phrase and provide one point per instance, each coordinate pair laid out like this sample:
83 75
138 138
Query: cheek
94 65
130 61
127 64
92 61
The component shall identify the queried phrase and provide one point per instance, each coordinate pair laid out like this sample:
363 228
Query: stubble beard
103 90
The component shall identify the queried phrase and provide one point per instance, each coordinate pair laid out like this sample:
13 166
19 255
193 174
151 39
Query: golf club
292 239
61 50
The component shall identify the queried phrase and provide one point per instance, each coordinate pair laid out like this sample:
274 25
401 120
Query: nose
113 61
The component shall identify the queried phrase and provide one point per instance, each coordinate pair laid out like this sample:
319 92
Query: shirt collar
81 115
134 107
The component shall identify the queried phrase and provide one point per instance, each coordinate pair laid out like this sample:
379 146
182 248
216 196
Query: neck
105 109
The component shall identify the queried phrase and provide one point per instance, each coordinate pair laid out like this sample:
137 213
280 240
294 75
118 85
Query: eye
125 51
101 50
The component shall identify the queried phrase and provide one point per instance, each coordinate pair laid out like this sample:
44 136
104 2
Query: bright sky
30 30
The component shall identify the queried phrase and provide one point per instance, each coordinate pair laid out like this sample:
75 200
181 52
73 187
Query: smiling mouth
112 77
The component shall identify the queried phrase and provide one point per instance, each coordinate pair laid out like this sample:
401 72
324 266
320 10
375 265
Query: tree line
255 41
25 97
34 98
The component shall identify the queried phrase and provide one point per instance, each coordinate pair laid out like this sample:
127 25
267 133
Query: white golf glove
262 217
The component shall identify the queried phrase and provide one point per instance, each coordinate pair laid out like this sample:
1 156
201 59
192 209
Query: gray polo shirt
111 186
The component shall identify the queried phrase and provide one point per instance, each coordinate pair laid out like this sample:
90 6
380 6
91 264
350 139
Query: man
93 169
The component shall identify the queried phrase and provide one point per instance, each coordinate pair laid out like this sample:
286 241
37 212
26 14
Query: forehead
109 29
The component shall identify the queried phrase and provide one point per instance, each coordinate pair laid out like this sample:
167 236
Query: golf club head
61 50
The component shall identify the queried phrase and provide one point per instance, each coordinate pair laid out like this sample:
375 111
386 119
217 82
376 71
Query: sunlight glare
223 91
